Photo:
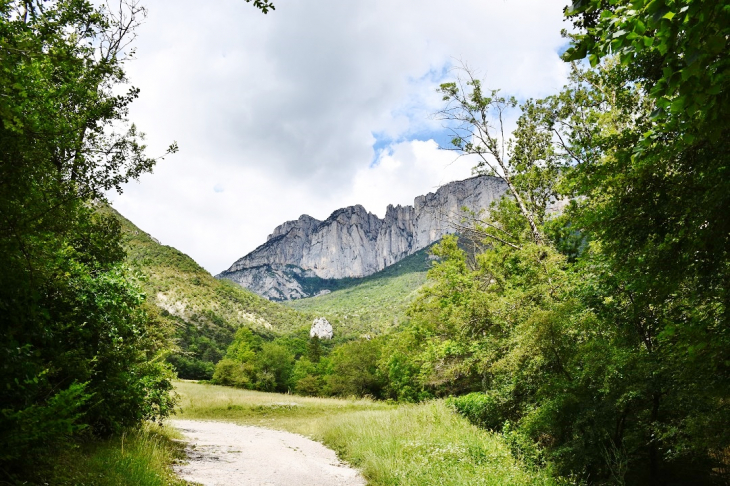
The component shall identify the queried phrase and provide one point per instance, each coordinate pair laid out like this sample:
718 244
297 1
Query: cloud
312 107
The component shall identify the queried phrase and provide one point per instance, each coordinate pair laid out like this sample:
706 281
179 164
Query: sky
318 105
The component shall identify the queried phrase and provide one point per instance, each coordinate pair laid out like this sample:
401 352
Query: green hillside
373 304
204 311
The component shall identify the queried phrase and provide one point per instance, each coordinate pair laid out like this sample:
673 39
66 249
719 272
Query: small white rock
321 328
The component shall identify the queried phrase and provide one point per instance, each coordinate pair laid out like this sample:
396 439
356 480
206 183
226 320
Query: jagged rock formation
321 328
355 243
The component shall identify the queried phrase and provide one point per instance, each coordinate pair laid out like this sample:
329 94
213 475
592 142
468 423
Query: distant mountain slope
205 311
373 304
300 258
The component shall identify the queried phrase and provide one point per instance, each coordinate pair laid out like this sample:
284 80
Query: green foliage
597 343
43 426
274 365
204 311
79 350
253 363
677 49
230 372
400 368
354 369
374 304
482 409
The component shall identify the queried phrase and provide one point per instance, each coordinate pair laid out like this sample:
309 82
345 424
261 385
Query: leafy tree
608 361
314 349
354 370
273 367
657 194
526 163
677 50
664 188
79 351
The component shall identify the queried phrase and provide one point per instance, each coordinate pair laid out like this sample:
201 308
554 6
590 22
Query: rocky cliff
355 243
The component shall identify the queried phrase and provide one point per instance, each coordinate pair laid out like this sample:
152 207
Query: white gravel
222 453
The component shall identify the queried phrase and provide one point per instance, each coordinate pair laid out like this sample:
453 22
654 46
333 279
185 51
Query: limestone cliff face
355 243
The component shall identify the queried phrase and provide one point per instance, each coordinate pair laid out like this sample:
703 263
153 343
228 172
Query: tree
354 369
665 186
79 351
657 197
677 49
609 362
528 165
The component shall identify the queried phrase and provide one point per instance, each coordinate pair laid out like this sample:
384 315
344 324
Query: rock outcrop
321 328
355 243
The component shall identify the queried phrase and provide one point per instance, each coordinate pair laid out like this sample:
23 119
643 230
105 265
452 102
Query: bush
233 373
481 409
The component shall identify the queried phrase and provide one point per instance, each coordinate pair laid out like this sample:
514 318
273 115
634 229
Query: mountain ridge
354 243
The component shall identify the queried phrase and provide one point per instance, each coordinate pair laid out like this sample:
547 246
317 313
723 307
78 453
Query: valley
203 313
518 272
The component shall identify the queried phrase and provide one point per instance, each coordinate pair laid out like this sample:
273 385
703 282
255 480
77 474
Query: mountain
203 311
306 257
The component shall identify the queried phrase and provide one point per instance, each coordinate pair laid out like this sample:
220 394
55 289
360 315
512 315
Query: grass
141 458
404 445
373 304
272 410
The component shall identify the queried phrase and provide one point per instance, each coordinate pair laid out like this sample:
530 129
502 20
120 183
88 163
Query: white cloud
283 114
412 169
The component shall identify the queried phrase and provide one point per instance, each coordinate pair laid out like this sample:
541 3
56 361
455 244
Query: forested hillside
373 304
203 311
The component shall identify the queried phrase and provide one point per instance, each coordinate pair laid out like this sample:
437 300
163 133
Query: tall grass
273 410
141 457
425 444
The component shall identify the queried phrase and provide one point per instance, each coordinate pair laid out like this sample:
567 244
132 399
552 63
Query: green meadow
406 445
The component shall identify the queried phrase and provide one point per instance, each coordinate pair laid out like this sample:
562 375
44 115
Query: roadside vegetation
139 457
82 356
423 444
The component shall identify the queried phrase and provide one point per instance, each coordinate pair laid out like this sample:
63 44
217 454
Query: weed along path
222 453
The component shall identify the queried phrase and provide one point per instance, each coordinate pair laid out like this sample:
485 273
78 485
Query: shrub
482 409
233 373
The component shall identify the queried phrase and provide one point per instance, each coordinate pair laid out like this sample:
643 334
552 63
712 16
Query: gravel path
222 453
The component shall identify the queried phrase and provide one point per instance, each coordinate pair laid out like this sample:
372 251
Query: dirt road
222 453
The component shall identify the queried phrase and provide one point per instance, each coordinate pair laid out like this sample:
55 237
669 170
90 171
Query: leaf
678 103
715 44
576 7
640 27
